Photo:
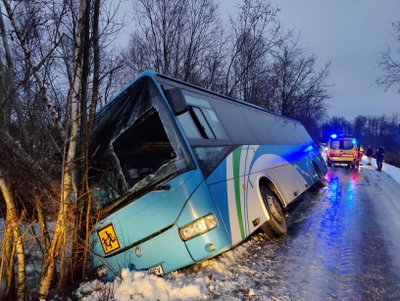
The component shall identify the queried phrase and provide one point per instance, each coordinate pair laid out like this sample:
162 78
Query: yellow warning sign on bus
108 238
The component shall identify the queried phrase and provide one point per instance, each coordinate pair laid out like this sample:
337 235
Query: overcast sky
350 34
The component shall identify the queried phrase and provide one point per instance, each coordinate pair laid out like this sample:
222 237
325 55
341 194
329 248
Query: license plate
157 270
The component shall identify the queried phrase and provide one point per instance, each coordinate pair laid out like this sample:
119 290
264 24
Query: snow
391 170
210 278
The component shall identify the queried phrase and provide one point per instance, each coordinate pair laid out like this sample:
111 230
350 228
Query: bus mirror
177 100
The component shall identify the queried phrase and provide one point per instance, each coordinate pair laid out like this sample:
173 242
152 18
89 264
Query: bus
182 174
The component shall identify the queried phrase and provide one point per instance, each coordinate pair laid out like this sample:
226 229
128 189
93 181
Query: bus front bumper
161 254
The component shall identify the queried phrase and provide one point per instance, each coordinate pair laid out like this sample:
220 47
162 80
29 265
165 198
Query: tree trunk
14 220
69 168
7 261
77 268
91 117
45 237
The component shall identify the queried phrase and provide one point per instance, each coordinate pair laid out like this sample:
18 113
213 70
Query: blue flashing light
354 141
333 136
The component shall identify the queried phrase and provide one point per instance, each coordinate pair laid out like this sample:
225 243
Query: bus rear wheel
321 182
276 225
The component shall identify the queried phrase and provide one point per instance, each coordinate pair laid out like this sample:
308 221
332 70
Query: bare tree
359 125
390 64
159 38
177 38
296 89
51 39
255 36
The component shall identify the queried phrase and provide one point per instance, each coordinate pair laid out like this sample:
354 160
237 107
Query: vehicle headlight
199 226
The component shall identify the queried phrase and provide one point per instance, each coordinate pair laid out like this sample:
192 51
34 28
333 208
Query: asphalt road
343 243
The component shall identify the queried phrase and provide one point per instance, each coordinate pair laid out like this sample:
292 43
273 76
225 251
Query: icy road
343 243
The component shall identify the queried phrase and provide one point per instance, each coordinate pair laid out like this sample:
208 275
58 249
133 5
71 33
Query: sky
350 34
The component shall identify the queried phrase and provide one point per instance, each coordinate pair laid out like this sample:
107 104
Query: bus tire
321 179
276 225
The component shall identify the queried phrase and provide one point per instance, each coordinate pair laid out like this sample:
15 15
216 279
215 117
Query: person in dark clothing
379 157
369 154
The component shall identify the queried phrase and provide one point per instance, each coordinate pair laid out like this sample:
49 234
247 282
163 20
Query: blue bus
182 174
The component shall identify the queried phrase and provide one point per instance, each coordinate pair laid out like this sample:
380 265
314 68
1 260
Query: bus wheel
321 179
276 225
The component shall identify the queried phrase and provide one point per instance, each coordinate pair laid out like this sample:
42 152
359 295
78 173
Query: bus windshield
136 145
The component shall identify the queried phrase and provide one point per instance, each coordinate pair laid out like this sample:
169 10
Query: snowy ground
209 279
227 277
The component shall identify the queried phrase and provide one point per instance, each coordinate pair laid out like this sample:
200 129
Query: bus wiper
161 187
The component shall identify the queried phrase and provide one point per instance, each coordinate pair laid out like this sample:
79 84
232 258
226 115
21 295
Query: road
343 243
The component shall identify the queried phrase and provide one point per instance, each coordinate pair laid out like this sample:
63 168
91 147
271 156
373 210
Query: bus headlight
199 226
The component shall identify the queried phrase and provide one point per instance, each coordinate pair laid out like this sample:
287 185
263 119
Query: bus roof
154 75
242 102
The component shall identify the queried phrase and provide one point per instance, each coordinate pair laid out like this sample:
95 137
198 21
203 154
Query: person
379 157
355 154
369 154
360 154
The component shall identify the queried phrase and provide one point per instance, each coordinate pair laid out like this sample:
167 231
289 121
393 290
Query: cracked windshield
141 155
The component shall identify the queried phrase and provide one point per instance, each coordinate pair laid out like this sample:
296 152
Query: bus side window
188 125
215 124
202 123
203 117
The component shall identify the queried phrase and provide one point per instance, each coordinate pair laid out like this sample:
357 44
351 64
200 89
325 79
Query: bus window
144 152
195 100
215 124
189 126
232 118
210 156
143 149
204 117
202 123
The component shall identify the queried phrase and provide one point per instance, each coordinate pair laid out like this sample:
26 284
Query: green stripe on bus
236 179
